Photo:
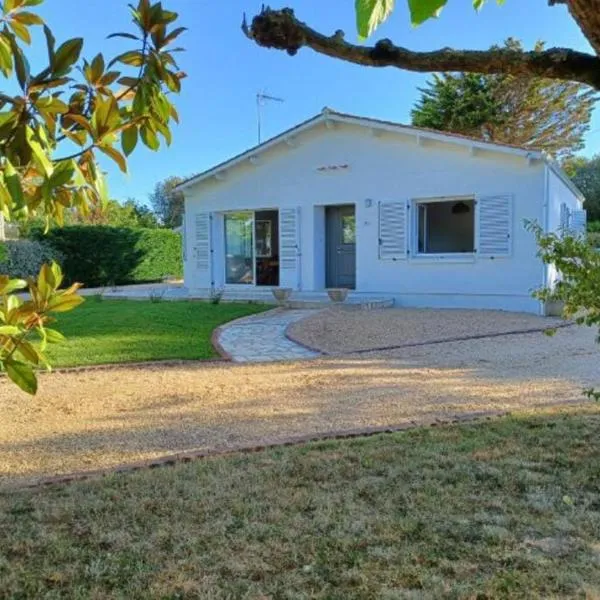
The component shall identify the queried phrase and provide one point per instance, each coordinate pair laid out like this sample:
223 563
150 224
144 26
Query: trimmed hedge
99 255
24 258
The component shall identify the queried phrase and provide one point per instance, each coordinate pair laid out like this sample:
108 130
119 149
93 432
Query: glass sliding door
239 247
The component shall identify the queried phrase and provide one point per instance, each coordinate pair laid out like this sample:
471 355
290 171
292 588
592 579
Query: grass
118 331
503 509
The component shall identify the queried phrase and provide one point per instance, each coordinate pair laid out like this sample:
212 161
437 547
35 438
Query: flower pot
281 294
337 295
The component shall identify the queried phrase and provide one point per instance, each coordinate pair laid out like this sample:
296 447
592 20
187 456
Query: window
348 229
239 260
445 226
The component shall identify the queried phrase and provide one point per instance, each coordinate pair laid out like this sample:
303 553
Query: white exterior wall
559 193
383 167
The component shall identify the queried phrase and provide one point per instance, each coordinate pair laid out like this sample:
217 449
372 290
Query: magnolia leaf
66 56
372 13
28 18
9 330
29 352
50 43
22 374
115 155
421 10
21 66
12 285
53 336
128 36
20 30
40 156
6 60
13 184
64 302
129 140
149 138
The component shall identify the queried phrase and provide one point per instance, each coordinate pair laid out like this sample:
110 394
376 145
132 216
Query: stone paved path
262 337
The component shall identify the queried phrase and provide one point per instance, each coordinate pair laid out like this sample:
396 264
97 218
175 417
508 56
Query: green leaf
128 36
21 67
372 13
149 138
116 156
9 330
22 374
50 43
129 140
53 336
13 184
20 31
421 10
64 303
6 61
28 18
12 285
66 56
40 156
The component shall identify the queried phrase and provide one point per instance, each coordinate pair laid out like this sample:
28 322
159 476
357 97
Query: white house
428 218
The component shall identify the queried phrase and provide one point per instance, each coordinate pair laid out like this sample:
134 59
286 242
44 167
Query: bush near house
102 255
24 258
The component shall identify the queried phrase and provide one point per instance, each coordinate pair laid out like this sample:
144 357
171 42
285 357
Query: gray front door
341 246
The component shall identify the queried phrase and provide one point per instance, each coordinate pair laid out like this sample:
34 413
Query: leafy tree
585 173
167 203
116 214
51 131
281 29
527 111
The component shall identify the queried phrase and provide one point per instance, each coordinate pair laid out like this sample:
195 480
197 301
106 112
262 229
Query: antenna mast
261 100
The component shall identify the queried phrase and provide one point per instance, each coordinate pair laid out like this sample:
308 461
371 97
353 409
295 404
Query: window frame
414 229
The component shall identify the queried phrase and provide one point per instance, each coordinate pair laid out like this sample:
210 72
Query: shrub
101 255
24 258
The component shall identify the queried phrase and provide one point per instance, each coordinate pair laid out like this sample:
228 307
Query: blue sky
217 105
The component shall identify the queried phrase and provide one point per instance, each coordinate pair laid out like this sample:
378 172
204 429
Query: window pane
239 263
348 229
446 227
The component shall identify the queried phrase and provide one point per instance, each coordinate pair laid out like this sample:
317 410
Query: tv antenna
261 100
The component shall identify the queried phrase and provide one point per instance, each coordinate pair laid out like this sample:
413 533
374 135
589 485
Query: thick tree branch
281 30
587 15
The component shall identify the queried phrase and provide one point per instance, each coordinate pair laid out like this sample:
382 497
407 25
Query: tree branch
586 14
281 30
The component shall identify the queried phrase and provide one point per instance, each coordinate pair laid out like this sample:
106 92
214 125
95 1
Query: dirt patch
340 330
88 420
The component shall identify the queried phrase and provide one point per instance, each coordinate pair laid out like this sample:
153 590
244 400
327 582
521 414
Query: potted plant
281 294
337 295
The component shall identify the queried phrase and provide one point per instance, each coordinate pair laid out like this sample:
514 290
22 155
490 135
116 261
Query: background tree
585 173
118 214
281 29
532 112
167 203
51 128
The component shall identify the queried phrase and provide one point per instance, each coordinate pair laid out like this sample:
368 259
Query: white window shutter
392 230
494 225
202 241
289 248
577 222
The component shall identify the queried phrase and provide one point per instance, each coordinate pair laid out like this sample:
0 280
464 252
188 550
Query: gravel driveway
340 330
91 419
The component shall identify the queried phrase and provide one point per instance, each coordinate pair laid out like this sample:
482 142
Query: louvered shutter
289 247
577 222
494 225
392 230
202 242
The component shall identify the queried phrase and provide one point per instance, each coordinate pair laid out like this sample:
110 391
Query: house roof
328 115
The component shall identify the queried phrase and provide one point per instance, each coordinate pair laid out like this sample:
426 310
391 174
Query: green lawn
503 509
114 331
